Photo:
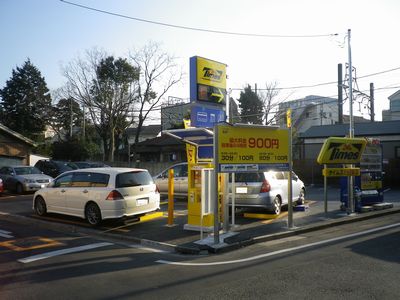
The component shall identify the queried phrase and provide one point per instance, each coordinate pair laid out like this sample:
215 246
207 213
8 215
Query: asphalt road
354 261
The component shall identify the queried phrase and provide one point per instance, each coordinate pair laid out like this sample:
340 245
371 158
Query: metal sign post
215 187
290 187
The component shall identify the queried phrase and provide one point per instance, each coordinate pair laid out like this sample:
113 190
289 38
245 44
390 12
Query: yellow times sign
211 73
337 150
252 145
339 172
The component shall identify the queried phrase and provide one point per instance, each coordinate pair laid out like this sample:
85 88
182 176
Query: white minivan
97 194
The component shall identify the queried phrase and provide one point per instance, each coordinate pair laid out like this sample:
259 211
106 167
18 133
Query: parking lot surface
152 230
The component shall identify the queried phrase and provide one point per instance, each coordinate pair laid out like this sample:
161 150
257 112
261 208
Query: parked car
90 164
97 194
23 179
54 168
180 180
267 190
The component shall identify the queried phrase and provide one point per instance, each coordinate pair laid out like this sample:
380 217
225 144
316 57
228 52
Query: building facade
309 111
393 113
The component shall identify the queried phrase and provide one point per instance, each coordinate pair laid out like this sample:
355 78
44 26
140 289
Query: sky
52 33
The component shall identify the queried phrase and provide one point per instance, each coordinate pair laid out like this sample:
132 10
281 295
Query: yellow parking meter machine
200 216
199 151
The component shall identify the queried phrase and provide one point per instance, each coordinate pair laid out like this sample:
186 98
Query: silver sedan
21 179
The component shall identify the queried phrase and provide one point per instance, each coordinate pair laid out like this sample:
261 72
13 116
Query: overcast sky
51 33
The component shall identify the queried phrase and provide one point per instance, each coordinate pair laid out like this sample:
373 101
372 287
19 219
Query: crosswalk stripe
62 251
6 234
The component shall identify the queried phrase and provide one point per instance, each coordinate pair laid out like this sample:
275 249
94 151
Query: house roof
360 129
163 140
146 130
394 96
17 135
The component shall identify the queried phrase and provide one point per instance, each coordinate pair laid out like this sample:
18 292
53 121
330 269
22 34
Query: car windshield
27 170
135 178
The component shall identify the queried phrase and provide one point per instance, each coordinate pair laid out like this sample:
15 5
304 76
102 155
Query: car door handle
85 191
63 191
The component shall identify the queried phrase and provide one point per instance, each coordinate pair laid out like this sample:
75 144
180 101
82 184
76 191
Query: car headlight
29 181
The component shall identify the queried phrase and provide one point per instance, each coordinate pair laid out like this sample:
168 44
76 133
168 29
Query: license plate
241 190
140 202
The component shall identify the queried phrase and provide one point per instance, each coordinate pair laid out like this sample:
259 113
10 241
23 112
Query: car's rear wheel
40 206
19 189
277 205
302 197
93 214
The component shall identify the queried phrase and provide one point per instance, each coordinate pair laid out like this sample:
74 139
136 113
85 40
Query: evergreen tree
251 107
63 113
26 102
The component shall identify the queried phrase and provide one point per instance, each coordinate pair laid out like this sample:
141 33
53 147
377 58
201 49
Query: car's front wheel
40 206
93 214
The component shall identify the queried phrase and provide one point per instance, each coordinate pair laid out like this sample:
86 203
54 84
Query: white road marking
280 251
148 249
62 251
6 234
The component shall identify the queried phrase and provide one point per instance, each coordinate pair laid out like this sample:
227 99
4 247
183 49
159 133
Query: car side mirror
51 184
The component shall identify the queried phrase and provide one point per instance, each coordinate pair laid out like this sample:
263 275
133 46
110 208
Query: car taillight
114 195
266 187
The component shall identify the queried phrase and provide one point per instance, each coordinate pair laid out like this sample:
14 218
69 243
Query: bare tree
158 74
268 97
107 88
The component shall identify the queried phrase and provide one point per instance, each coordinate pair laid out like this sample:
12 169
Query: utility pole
350 192
371 100
340 94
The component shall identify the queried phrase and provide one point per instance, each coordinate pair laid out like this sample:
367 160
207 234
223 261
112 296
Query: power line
195 28
319 84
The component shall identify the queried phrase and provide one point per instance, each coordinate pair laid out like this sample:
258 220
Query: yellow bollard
171 197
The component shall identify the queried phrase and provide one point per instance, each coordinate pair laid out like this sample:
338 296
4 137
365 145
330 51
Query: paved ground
154 231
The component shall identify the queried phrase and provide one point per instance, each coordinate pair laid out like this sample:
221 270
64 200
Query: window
81 180
99 180
249 177
181 171
63 181
131 179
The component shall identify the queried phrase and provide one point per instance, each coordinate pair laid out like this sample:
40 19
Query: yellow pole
171 197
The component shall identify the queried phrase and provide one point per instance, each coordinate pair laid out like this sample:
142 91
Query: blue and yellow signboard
337 150
207 80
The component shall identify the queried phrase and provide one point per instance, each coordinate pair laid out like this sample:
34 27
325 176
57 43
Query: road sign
336 150
252 148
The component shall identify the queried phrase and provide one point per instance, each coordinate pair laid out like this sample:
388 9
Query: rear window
249 177
135 178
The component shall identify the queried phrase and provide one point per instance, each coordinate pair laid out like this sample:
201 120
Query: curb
313 227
